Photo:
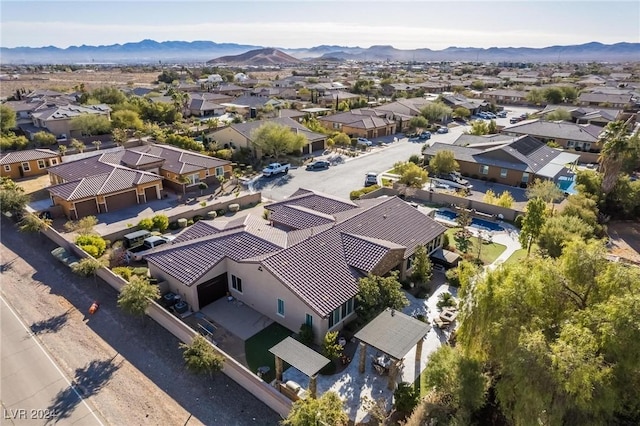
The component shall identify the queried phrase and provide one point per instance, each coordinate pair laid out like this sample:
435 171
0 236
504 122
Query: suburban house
200 107
506 96
581 137
402 111
59 119
27 163
125 177
181 169
610 100
302 264
587 115
364 122
99 184
474 106
239 135
515 162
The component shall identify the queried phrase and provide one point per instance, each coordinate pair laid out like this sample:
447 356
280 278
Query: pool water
477 223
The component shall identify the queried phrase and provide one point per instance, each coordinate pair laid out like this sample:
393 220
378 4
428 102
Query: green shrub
405 398
445 240
92 244
445 300
354 195
123 271
190 222
140 271
221 212
146 223
197 218
518 220
452 277
160 222
306 334
174 225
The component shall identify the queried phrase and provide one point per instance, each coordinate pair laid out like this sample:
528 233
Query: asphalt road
341 179
34 390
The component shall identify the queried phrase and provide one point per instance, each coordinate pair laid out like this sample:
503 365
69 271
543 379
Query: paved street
341 179
131 371
34 390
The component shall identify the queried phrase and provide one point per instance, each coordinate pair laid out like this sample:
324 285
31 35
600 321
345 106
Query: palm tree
75 143
615 149
97 144
62 149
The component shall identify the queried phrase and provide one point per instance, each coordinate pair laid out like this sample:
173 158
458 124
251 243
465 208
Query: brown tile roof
26 155
117 180
188 261
314 200
180 161
298 217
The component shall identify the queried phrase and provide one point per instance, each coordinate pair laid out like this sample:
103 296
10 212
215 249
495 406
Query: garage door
150 194
212 290
86 208
120 201
317 146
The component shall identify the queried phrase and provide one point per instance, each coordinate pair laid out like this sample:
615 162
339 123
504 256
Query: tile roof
178 160
26 155
359 119
556 129
65 112
247 129
298 217
116 180
189 260
524 153
317 270
314 200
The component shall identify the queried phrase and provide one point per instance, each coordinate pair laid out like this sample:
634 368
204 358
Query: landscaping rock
182 222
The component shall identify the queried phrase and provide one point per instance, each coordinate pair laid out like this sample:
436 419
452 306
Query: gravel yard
133 368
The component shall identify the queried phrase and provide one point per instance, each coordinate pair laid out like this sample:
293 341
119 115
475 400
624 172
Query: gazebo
301 357
394 334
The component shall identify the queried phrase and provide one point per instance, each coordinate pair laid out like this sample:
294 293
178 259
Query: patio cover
449 257
299 356
393 333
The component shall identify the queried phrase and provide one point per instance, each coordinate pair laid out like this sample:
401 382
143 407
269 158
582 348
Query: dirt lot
66 81
625 240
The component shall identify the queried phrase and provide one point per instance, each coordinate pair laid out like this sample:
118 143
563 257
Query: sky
307 23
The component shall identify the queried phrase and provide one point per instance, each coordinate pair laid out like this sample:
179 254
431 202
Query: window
409 262
7 168
41 164
26 167
281 307
334 317
206 172
236 283
219 171
53 161
571 144
503 173
308 320
525 177
349 306
484 170
194 179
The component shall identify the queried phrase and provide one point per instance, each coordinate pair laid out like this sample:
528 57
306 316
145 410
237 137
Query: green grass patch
257 347
521 254
489 252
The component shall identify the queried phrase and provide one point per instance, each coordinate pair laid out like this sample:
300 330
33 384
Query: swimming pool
476 222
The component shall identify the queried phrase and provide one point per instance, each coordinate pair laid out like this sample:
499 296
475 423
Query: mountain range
151 51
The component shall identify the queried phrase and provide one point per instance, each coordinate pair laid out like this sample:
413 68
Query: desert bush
95 245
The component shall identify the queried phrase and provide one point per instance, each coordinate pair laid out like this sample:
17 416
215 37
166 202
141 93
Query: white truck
137 253
275 169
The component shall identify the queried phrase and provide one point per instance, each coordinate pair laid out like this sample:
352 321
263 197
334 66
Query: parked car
318 165
136 238
371 179
364 141
501 114
138 252
514 120
61 138
275 169
455 177
64 256
482 114
443 130
425 136
490 115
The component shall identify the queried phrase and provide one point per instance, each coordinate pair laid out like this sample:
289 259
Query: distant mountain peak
264 56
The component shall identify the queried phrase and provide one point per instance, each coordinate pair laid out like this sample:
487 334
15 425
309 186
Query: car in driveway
501 114
425 136
442 130
364 141
318 165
